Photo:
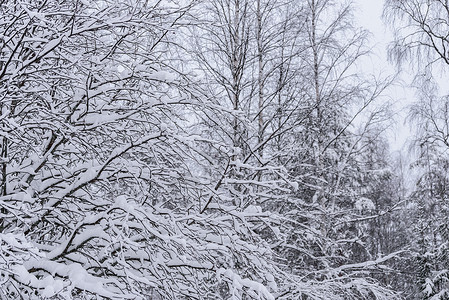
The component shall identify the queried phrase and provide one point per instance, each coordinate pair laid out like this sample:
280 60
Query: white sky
368 15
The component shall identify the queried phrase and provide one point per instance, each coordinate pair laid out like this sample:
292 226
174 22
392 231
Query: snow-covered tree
99 198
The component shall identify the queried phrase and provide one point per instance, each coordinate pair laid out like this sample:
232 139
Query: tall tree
324 242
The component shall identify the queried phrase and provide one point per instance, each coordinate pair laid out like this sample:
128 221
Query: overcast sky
368 15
